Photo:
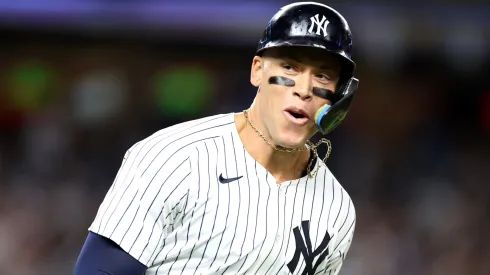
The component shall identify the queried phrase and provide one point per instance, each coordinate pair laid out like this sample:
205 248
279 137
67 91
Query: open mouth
296 115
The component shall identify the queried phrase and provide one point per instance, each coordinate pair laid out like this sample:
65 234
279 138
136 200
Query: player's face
293 86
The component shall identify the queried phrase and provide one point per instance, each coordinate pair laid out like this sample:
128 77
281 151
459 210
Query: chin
291 140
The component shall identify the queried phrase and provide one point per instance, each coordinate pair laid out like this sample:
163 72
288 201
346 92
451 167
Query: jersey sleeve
145 201
102 256
340 247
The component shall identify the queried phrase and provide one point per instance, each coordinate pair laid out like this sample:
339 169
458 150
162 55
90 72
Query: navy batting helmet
315 25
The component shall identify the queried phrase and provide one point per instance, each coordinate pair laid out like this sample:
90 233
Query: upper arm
101 256
140 208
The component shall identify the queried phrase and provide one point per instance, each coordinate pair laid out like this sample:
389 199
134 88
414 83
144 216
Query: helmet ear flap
328 117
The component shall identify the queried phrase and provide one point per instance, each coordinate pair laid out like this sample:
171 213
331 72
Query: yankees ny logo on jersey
320 25
303 247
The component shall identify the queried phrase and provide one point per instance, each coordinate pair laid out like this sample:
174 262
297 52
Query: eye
324 77
288 68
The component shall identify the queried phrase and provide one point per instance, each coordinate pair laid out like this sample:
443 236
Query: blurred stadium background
83 80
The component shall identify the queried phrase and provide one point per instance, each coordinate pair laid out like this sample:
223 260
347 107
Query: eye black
281 80
324 93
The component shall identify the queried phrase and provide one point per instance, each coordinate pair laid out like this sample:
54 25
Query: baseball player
241 193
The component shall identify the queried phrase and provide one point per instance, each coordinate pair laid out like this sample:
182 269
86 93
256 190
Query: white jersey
190 200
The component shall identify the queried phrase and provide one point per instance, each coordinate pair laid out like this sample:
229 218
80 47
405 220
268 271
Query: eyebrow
323 67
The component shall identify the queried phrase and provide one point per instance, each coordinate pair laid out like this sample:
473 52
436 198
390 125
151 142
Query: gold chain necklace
290 150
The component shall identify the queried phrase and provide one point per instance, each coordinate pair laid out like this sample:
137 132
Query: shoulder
177 141
155 177
340 197
327 178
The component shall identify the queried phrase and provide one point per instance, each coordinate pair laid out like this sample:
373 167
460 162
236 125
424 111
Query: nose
303 86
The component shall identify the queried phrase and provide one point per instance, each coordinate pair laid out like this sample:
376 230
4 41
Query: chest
250 222
282 226
243 196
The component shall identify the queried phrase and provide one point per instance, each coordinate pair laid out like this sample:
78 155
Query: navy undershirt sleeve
101 256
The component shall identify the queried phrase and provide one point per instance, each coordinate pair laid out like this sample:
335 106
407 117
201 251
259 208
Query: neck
283 166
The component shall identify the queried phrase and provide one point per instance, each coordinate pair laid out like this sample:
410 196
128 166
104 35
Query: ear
256 71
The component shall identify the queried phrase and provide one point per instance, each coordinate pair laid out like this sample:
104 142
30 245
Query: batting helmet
310 24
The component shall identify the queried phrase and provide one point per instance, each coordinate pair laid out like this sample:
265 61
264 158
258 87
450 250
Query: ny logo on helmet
320 25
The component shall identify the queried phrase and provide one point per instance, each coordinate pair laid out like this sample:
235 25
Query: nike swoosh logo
223 180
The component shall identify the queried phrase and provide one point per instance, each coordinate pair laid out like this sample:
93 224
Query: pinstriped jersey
189 199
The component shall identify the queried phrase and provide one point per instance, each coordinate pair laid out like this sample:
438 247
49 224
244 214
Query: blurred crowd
414 152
